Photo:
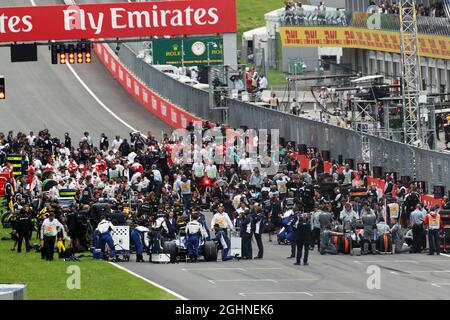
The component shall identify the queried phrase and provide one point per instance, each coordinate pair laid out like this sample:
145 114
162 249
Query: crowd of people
383 6
392 7
153 190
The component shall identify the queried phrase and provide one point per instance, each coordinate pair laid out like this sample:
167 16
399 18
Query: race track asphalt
41 95
401 276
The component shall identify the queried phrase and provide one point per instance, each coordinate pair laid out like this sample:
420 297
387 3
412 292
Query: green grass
276 77
46 280
250 14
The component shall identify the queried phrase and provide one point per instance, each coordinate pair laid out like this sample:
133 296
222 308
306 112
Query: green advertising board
197 51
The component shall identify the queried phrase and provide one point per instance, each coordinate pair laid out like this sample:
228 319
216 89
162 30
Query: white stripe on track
149 281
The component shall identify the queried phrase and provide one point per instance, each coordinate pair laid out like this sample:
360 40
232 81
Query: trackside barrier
160 107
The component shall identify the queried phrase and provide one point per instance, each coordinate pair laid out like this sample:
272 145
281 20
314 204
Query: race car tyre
170 248
345 244
210 249
385 243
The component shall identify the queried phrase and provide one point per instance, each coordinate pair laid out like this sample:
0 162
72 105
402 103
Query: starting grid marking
261 280
311 294
221 269
440 284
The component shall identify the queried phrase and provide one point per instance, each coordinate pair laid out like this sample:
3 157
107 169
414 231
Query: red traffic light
62 58
88 57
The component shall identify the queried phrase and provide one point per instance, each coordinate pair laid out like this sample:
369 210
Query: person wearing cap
48 232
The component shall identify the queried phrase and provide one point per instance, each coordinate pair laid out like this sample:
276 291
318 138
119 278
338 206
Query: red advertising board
171 114
117 20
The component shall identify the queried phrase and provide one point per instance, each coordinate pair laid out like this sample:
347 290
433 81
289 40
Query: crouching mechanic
194 232
104 227
223 242
140 238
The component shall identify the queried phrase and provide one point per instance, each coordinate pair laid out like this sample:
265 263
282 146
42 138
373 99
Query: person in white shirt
109 191
245 166
198 171
31 138
49 230
211 171
131 156
222 219
156 173
63 150
263 83
116 143
37 164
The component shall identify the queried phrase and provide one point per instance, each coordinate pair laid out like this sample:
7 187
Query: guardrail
378 21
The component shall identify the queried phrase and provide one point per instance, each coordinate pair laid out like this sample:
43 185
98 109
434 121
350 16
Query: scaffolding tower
410 73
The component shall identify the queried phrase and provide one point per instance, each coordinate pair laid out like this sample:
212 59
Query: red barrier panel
3 178
430 201
327 166
167 112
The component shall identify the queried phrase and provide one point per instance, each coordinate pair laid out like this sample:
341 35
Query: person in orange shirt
433 224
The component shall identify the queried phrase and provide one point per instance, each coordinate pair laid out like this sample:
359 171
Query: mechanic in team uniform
194 235
140 238
104 229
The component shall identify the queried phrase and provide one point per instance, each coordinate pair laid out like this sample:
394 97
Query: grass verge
46 280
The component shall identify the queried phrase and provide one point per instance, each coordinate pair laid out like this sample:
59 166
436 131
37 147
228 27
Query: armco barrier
163 109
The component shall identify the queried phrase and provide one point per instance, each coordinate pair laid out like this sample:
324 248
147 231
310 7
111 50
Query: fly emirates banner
117 20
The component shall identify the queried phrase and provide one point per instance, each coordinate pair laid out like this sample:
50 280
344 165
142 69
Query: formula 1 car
178 250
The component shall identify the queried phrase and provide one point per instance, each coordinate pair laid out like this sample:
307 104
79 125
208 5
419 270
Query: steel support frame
410 73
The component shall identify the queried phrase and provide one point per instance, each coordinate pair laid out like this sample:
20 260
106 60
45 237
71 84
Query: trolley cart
121 237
